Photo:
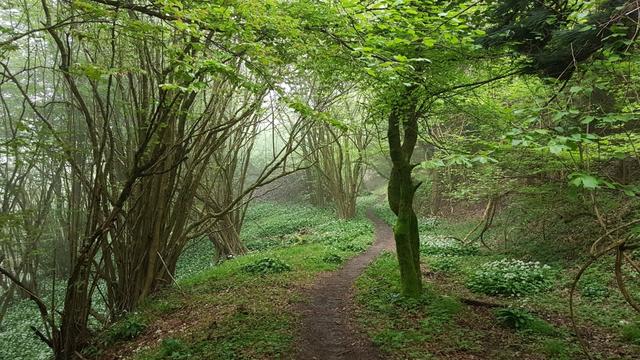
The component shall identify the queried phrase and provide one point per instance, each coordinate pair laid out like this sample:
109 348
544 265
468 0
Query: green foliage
511 278
631 332
198 255
514 318
332 258
273 225
270 224
445 264
556 349
521 319
266 266
163 303
381 209
593 288
336 232
379 205
400 324
16 337
352 247
545 31
128 328
174 349
433 245
255 320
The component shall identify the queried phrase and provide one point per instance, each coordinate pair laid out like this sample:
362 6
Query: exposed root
486 222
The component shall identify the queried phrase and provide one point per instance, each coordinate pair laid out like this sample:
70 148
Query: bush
332 258
444 264
593 288
353 247
511 278
174 349
520 319
446 247
514 318
266 266
631 333
127 329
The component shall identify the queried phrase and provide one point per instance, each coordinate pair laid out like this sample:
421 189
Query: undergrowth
244 306
532 300
396 324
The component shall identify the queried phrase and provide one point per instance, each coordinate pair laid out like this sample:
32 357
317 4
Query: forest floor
328 331
314 287
452 320
253 306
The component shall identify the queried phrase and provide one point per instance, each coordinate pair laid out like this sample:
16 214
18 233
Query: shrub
174 349
354 247
520 319
514 318
556 349
444 264
446 247
631 333
266 266
511 277
593 288
332 258
127 329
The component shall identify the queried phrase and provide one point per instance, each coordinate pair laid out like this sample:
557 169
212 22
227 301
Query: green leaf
584 180
400 58
557 148
428 42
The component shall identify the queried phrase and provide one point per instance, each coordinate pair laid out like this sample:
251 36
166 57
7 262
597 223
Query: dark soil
328 331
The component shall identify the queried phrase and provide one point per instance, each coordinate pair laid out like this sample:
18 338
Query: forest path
328 331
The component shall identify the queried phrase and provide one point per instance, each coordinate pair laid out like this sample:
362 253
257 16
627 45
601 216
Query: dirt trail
328 331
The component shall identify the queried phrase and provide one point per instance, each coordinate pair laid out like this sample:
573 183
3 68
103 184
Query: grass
397 325
441 325
17 340
217 311
226 312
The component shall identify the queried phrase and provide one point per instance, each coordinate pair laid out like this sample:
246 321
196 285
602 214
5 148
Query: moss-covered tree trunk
402 136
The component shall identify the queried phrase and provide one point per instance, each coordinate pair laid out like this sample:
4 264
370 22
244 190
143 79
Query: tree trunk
226 239
401 191
74 332
346 206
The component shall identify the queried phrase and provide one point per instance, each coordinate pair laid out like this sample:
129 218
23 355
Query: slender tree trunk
74 332
436 192
227 244
346 206
401 191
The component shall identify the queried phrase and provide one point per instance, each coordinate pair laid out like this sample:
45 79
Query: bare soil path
328 331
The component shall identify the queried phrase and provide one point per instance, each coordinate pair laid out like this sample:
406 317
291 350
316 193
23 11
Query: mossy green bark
406 235
402 135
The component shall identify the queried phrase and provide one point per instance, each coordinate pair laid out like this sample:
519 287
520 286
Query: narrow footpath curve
328 331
